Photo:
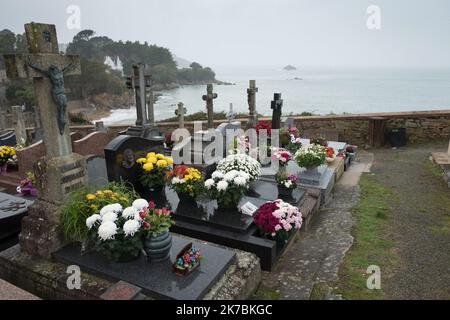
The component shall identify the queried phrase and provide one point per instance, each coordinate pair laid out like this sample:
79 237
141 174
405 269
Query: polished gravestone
97 175
203 220
157 279
12 210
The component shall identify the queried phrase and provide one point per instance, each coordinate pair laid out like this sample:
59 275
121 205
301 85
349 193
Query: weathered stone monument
253 114
2 120
209 98
20 128
61 170
276 106
180 112
145 121
37 134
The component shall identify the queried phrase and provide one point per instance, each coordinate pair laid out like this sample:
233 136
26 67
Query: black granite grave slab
157 279
12 210
96 171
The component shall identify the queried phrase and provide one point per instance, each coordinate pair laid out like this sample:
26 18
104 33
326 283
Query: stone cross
60 171
140 95
2 120
231 115
251 94
276 106
150 107
180 112
38 134
209 98
21 130
47 67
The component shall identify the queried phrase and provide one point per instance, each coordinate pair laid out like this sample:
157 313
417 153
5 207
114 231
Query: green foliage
196 73
78 118
154 179
85 202
156 221
312 155
20 92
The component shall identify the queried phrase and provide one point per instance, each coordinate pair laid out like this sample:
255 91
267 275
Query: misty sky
415 33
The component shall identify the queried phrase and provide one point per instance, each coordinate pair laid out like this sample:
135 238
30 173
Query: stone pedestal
311 176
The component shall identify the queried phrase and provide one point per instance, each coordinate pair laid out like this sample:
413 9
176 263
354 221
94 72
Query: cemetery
207 214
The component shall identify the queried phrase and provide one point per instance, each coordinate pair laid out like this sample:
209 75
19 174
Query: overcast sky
260 32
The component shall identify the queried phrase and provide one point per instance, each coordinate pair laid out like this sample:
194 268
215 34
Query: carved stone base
39 236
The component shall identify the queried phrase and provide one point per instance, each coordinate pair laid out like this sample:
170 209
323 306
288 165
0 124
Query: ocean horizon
319 90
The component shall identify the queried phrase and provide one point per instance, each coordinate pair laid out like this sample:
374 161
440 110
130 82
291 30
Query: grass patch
319 291
371 242
433 168
266 293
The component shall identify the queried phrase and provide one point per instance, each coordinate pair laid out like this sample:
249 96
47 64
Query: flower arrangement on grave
153 170
7 154
116 232
290 139
278 219
263 125
240 144
187 260
228 188
330 155
320 140
242 163
286 183
27 186
185 181
310 156
85 202
282 155
168 140
156 223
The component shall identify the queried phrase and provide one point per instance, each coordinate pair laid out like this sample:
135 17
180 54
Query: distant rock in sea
290 68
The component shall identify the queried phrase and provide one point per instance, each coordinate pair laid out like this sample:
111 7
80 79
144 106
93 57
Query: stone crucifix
251 97
47 68
180 112
276 106
209 98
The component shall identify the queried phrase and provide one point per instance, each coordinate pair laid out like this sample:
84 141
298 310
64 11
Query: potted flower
282 155
286 183
228 188
186 181
7 154
116 233
240 162
153 170
27 186
311 157
277 219
156 224
330 155
321 141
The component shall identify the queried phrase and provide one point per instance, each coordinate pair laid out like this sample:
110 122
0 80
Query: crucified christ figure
58 92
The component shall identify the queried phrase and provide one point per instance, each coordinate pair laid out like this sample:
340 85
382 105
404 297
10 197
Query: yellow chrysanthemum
160 156
99 193
161 163
169 160
148 166
141 160
152 160
151 155
90 197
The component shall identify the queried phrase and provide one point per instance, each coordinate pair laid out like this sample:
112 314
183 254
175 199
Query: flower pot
158 248
184 197
284 192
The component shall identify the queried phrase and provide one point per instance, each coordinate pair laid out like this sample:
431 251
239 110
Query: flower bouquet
330 154
321 141
7 154
277 219
155 224
116 233
310 156
228 188
186 181
187 260
27 186
241 162
286 183
153 170
282 155
263 125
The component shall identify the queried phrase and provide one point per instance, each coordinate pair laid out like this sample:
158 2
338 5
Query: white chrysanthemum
109 216
222 185
92 220
244 175
229 176
107 230
129 213
217 175
115 207
131 227
137 217
209 183
140 204
240 181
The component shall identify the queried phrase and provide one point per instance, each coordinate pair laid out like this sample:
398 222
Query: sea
319 90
